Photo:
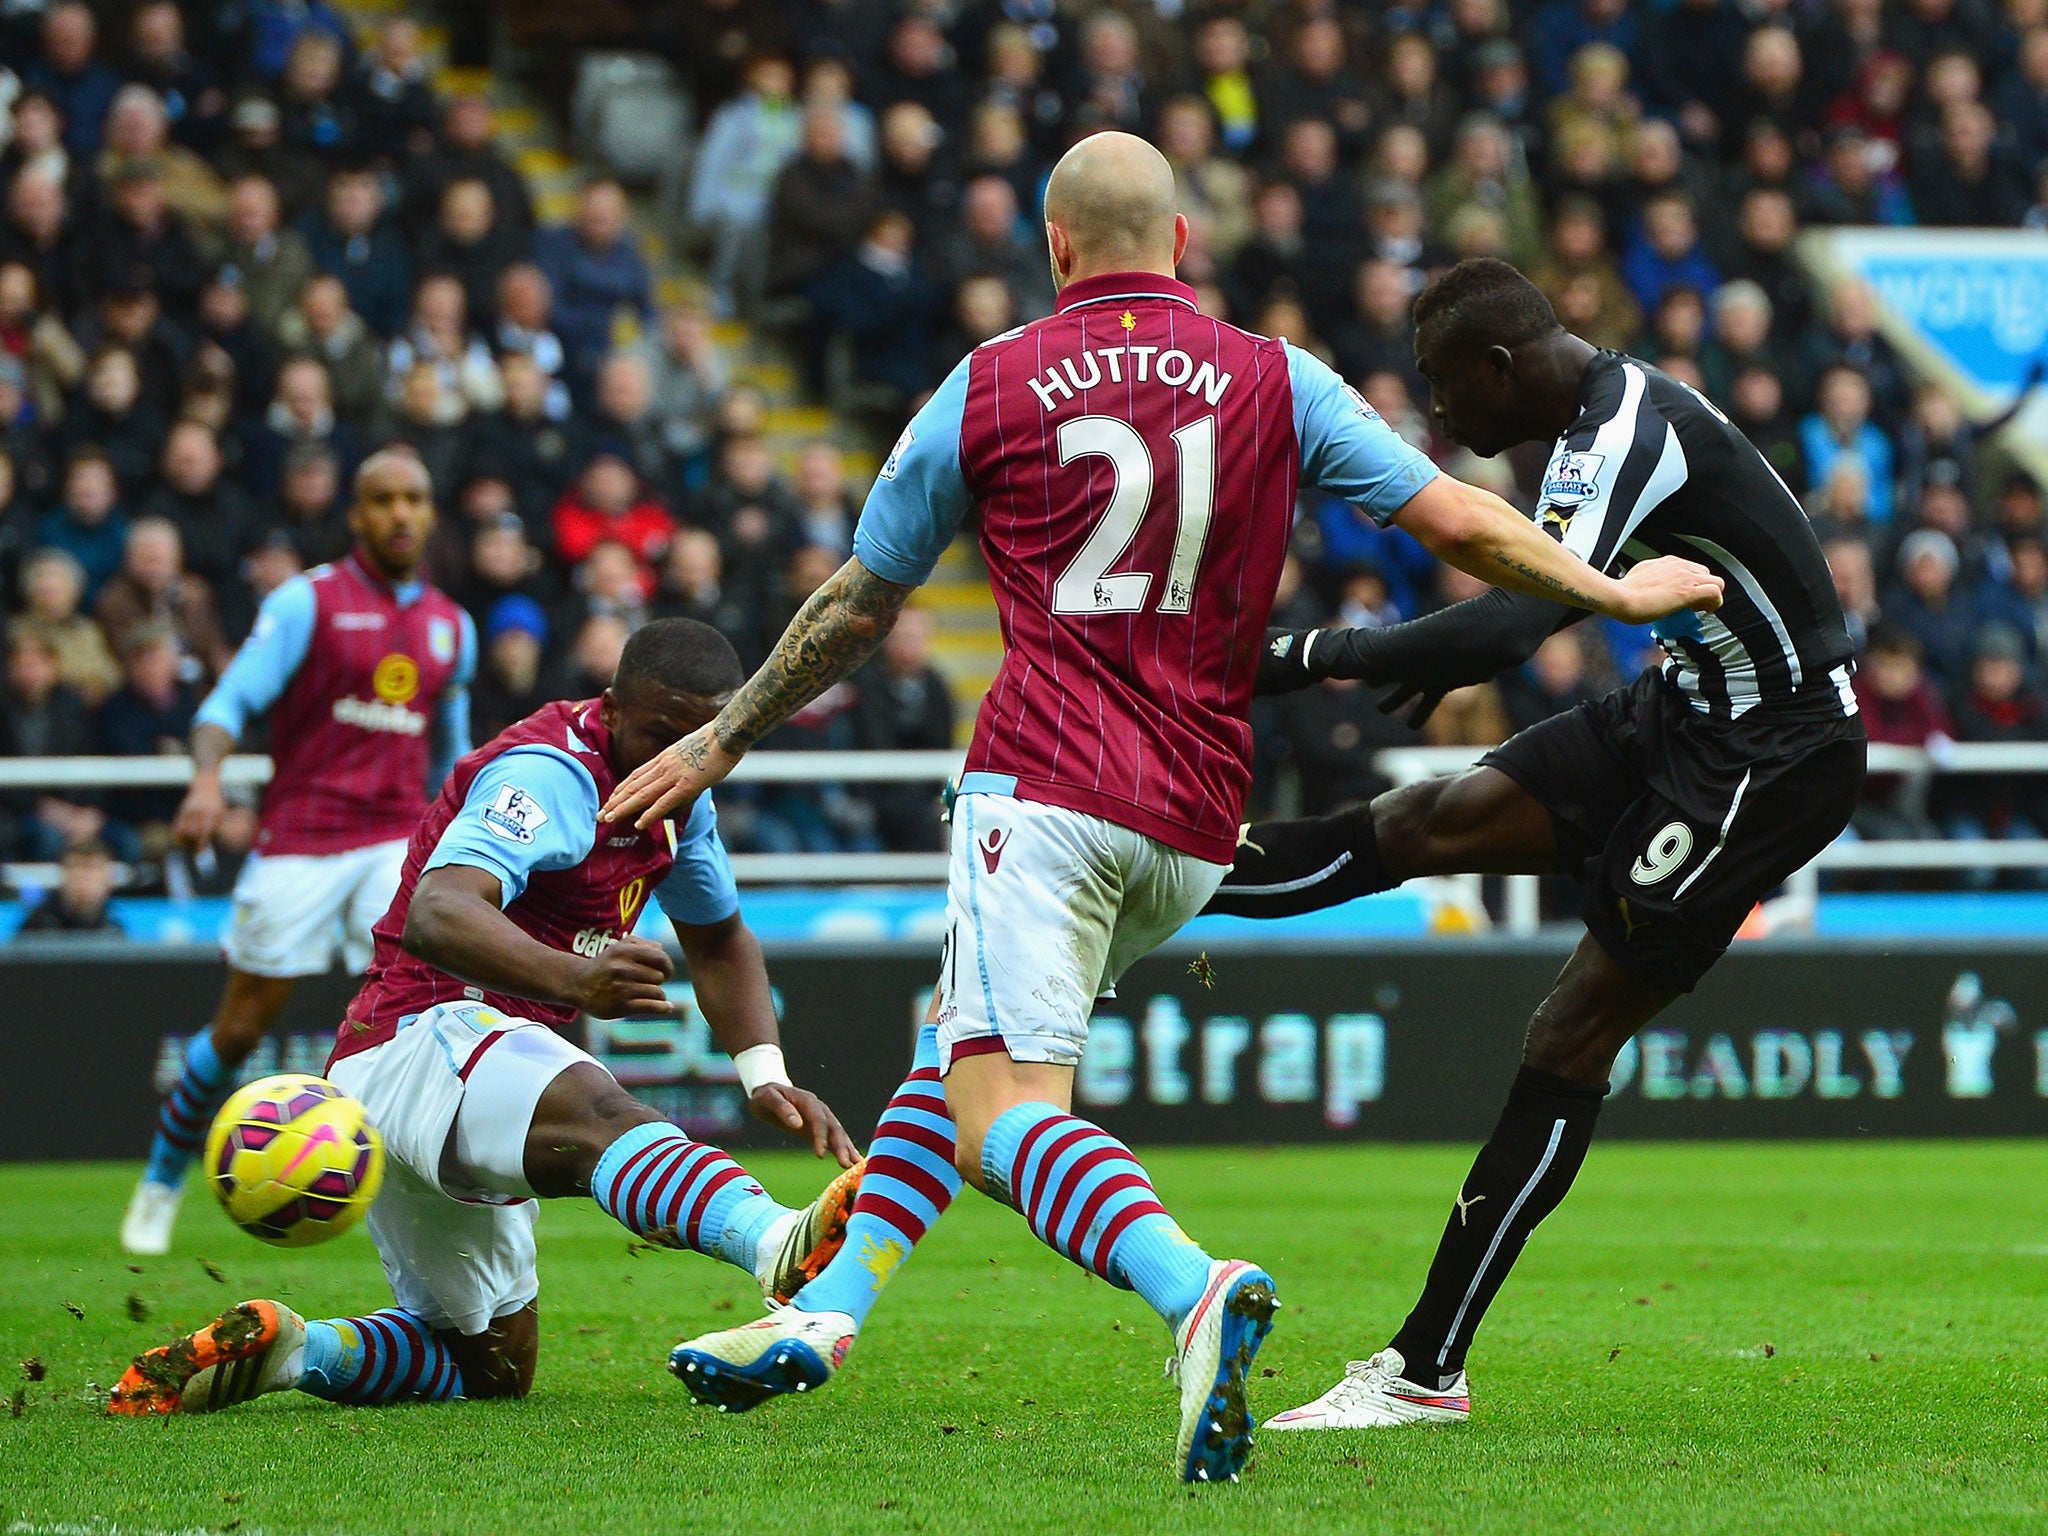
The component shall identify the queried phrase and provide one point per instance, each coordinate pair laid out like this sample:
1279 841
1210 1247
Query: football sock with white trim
680 1193
1519 1177
390 1356
1284 868
1088 1199
907 1185
188 1109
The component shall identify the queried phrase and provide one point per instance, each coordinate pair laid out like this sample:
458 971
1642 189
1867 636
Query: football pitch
1730 1338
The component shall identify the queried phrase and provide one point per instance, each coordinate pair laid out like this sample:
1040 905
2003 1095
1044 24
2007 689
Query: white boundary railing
1403 765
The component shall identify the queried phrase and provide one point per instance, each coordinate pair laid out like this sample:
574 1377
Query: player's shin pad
1288 867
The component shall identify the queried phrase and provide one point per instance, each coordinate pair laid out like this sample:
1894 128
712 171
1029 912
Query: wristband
759 1065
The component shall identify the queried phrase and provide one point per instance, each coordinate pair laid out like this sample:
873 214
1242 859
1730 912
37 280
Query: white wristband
759 1064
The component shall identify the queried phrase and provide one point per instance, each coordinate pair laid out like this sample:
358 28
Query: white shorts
1045 909
453 1093
295 911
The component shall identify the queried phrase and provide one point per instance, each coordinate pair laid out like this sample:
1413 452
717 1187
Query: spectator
1857 182
990 241
53 589
468 243
825 508
999 145
820 204
232 356
1766 229
1967 178
525 443
276 26
1111 86
508 686
138 133
1998 704
2030 590
1928 606
610 581
585 670
692 587
1851 340
80 902
467 152
70 74
189 86
272 262
1855 574
322 325
2022 99
690 374
154 590
1562 27
149 715
609 501
351 239
300 415
440 338
903 705
88 524
394 103
495 560
1840 426
312 515
746 143
1316 82
597 273
141 235
526 325
1212 189
214 520
318 118
110 415
879 300
45 716
622 416
1667 253
44 363
40 236
1756 404
1553 681
432 419
1899 708
1329 734
1581 280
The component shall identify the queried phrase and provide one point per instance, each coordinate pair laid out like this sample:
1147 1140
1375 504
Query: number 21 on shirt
1086 586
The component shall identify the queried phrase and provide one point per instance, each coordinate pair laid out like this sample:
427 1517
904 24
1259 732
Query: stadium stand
241 245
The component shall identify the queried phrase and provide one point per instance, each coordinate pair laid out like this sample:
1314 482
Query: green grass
1753 1338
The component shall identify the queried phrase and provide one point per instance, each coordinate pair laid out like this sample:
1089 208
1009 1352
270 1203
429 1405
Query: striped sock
188 1110
387 1357
909 1182
681 1193
1088 1199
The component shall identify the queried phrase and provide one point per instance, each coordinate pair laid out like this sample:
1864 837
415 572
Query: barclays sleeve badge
1573 479
514 815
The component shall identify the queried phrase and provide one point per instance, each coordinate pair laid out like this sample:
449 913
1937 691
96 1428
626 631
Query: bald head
1110 207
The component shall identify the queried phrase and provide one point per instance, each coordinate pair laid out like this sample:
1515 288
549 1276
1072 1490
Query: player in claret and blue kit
1135 465
514 915
364 671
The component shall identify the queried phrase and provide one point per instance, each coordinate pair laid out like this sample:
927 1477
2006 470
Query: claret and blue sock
909 1182
188 1110
390 1356
679 1193
1088 1199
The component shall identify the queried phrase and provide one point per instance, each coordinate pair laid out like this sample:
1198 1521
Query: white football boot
152 1216
1215 1345
789 1350
1376 1394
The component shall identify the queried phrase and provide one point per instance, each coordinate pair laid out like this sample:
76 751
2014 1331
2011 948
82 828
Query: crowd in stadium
241 247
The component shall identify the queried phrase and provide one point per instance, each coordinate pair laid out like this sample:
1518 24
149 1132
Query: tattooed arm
841 626
1477 532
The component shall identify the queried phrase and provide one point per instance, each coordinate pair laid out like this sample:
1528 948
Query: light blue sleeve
1346 448
699 889
451 712
920 498
276 646
534 808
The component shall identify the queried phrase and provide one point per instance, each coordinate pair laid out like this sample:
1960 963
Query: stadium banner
1967 307
1401 1041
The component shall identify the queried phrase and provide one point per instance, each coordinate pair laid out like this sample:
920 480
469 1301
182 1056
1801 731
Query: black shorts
1679 822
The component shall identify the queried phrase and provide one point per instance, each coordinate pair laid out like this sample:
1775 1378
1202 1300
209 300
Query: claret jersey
1135 466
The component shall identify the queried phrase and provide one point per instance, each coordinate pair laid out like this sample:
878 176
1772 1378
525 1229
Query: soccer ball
293 1160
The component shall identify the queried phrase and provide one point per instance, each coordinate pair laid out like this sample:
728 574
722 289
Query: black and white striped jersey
1650 467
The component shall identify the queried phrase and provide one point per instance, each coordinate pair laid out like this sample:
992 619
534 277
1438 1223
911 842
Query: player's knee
967 1155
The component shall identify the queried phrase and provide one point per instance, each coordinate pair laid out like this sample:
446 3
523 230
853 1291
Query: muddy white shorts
453 1093
294 912
1045 909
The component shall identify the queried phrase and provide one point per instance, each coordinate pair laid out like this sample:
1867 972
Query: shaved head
1110 207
